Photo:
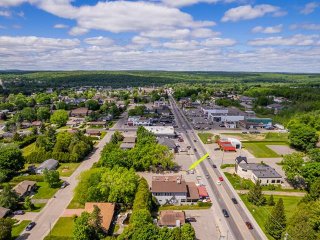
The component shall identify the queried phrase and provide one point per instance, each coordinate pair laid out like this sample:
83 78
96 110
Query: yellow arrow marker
198 162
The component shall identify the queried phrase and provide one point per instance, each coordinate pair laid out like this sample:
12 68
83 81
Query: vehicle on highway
191 219
214 166
195 140
207 176
18 212
234 200
30 226
249 225
225 213
64 184
195 149
218 183
220 179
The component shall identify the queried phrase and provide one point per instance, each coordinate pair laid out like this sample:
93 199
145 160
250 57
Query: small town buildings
173 190
256 122
80 112
93 132
229 144
170 218
4 212
25 188
257 172
97 124
128 143
75 122
203 193
162 131
50 164
138 121
37 124
169 143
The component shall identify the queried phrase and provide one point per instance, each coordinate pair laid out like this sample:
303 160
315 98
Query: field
270 136
260 149
62 229
18 228
205 136
66 169
261 214
74 204
44 191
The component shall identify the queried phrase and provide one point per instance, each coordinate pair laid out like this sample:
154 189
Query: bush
27 141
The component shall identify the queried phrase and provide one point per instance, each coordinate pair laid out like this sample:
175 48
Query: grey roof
48 164
239 159
167 142
4 212
261 170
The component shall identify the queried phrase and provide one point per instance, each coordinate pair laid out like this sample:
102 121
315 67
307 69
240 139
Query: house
4 212
162 131
173 190
97 124
106 211
169 143
171 218
93 132
50 164
25 188
257 172
203 193
80 112
25 124
128 143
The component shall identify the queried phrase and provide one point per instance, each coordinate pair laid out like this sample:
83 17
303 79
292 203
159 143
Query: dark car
225 213
207 176
64 184
234 200
30 226
214 166
195 149
195 140
191 219
249 225
18 212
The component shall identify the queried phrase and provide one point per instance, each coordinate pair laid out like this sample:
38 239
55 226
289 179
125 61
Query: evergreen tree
276 222
271 201
8 198
255 195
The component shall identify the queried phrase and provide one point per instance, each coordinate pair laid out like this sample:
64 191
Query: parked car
249 225
195 149
191 219
234 200
207 176
18 212
214 166
30 226
225 213
220 179
64 184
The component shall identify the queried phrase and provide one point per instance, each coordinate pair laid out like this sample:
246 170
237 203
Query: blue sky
208 35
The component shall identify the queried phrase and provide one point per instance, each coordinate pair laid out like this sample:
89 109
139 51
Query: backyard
261 213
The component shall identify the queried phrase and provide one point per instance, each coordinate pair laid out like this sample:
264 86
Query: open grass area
66 169
260 149
186 207
29 149
62 230
18 228
270 136
44 191
261 214
223 166
74 204
205 136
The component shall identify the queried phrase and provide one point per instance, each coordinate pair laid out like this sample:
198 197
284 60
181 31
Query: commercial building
257 172
170 218
169 143
162 131
256 122
138 121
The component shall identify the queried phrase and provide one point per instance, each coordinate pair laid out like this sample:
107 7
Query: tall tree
276 222
187 232
271 200
255 195
82 229
59 117
292 165
303 137
5 228
8 197
51 177
11 158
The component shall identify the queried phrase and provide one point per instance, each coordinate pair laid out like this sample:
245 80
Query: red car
220 179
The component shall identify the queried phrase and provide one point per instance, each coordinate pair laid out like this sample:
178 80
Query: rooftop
261 170
172 218
168 184
24 187
106 211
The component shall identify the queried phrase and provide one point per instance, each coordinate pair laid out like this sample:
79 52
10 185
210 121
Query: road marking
193 165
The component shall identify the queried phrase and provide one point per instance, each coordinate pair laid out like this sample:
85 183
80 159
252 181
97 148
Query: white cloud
271 29
167 33
60 26
9 3
182 3
220 42
99 41
306 26
248 12
204 33
296 40
5 13
310 7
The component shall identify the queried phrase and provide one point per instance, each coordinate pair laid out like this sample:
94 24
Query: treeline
145 156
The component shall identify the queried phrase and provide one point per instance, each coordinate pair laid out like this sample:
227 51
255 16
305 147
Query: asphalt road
223 193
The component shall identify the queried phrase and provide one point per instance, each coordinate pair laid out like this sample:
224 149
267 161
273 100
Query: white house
257 172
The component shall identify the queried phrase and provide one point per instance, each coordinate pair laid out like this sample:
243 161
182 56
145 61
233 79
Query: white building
138 121
162 131
257 172
214 110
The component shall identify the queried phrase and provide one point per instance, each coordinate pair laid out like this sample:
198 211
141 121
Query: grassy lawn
66 169
261 213
74 204
103 134
270 136
237 182
223 166
186 207
29 149
205 136
63 229
44 191
260 150
18 228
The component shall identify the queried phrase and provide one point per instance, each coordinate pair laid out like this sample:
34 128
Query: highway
223 193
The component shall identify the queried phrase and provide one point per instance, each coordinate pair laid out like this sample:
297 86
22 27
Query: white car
218 183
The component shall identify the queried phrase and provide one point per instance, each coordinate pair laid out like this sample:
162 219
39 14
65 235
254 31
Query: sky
178 35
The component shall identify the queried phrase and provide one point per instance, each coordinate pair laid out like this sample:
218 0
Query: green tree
314 191
8 197
314 154
28 114
11 159
5 228
303 137
28 203
59 117
271 201
310 172
292 165
276 222
187 232
92 105
255 195
51 177
82 229
43 113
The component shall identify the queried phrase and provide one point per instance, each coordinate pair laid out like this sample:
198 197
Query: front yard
66 169
44 191
18 228
63 229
